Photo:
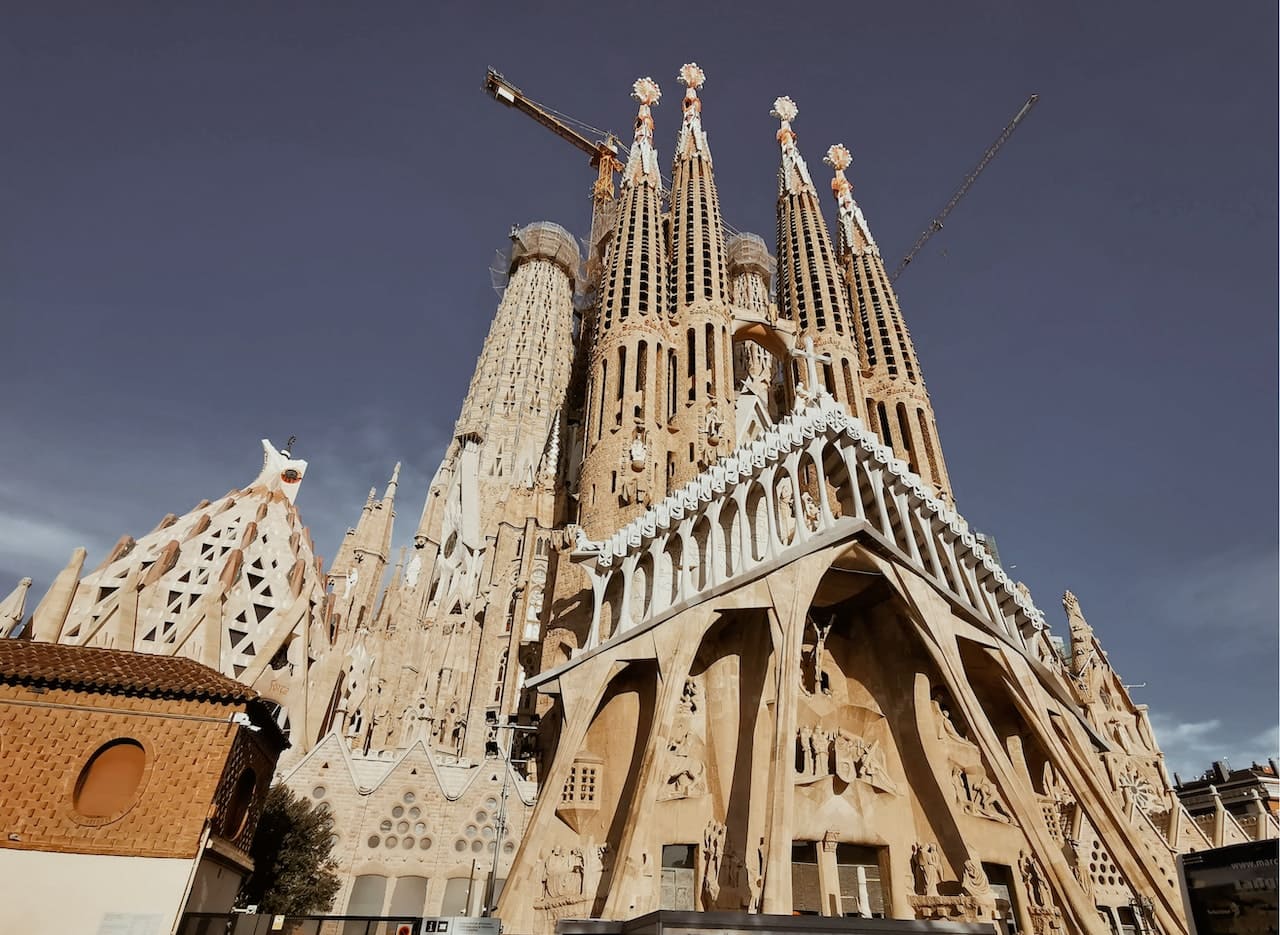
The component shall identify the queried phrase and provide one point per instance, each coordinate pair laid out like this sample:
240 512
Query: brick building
139 777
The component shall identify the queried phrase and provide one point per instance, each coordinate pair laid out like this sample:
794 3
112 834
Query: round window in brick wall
318 792
109 782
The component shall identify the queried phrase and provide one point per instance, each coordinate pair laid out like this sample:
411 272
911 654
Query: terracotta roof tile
26 662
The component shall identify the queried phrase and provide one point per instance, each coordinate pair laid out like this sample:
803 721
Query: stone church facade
689 619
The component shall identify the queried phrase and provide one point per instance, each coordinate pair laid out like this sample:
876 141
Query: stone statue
947 729
811 512
818 744
820 678
634 476
685 770
786 512
712 854
807 750
533 611
755 879
928 868
974 882
1033 879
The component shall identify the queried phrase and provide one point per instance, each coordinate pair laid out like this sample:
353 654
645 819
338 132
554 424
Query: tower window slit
709 350
603 394
904 426
692 339
929 454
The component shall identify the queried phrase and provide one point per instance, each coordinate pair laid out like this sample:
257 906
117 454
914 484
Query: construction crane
936 224
603 153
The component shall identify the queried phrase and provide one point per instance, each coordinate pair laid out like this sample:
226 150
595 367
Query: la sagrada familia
690 620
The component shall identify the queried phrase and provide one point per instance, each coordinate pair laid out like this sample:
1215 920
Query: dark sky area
225 221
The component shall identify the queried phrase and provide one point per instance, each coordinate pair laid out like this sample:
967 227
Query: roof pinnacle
793 176
643 161
393 484
849 215
692 136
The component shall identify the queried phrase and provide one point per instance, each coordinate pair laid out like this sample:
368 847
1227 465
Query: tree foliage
293 873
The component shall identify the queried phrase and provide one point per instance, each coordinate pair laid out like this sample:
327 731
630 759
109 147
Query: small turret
355 577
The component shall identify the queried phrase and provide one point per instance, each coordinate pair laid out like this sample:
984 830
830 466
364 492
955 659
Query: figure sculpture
928 868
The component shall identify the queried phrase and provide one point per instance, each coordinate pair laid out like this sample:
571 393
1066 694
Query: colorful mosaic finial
692 77
785 110
643 161
692 138
646 91
839 158
848 214
794 174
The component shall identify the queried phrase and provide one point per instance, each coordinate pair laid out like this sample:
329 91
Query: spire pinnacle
642 164
692 137
393 484
848 214
793 175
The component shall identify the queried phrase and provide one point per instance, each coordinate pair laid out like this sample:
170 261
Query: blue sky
220 222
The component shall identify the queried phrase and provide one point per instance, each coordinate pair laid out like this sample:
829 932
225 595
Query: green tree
293 873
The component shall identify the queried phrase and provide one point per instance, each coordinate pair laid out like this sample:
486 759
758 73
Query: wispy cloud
1190 747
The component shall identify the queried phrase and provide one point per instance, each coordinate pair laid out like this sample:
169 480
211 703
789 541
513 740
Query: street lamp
501 823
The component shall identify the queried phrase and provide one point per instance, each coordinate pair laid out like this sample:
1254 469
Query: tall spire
809 292
852 233
627 406
703 416
642 163
358 569
898 406
692 137
793 174
393 484
697 231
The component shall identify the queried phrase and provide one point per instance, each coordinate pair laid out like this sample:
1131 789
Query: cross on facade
811 361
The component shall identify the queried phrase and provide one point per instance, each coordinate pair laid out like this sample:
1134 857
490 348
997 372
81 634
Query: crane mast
936 224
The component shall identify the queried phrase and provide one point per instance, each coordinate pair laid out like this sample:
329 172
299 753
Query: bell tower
809 289
897 404
628 394
701 420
